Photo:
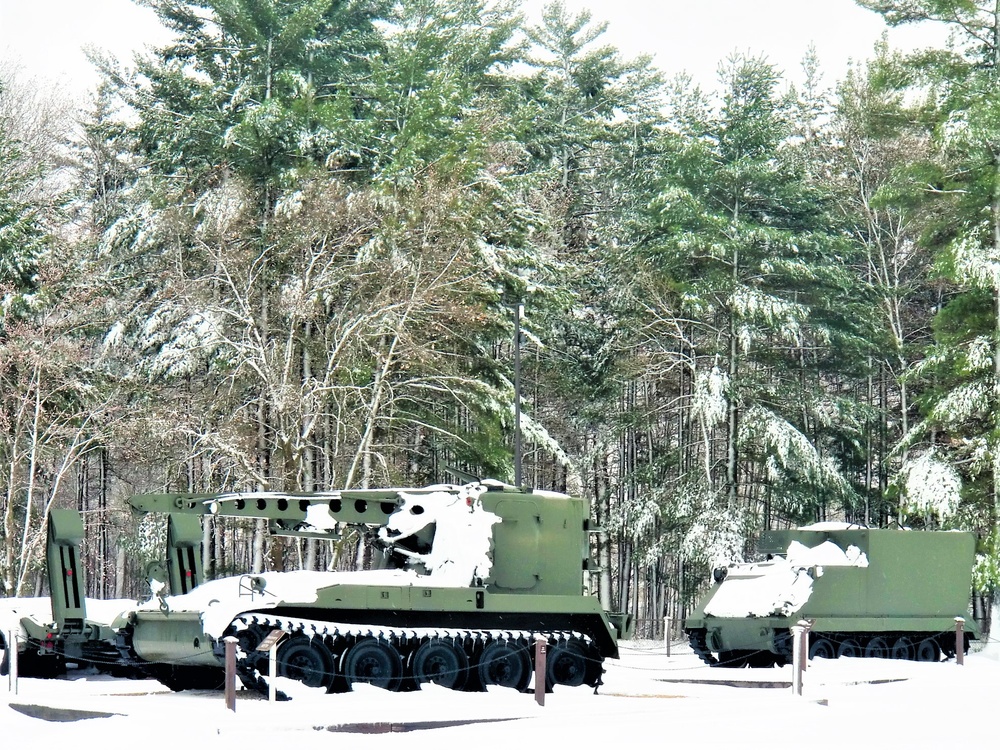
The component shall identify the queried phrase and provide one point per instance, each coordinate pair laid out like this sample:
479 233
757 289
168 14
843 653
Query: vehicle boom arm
311 515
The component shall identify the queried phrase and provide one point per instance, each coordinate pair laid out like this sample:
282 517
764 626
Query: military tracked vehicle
471 576
864 592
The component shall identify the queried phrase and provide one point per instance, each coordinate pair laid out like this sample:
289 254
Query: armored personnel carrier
472 575
864 592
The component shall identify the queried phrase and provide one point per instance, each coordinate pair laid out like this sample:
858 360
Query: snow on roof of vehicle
828 553
781 586
833 526
768 589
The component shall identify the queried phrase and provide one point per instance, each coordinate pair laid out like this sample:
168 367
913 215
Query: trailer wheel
928 650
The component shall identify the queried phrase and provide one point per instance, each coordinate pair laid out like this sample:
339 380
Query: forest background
288 251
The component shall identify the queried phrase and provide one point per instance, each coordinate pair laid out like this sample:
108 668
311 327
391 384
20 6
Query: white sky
45 37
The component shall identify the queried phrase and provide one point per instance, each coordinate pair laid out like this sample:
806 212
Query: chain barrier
517 647
746 654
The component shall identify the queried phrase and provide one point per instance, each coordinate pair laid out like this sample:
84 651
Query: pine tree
755 282
590 110
877 144
53 406
22 226
959 198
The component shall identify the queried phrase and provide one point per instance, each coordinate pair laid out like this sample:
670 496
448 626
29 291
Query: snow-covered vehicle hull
863 592
473 576
387 628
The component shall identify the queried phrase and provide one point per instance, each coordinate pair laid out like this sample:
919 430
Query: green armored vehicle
865 592
472 575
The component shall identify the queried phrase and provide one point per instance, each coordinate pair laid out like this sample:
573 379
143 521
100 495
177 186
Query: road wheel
733 659
928 650
442 663
306 660
877 648
762 660
375 662
504 664
902 648
822 648
566 664
849 647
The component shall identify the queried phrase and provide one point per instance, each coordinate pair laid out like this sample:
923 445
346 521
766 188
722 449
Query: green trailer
863 592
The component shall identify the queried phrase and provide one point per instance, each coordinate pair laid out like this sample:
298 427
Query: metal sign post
270 646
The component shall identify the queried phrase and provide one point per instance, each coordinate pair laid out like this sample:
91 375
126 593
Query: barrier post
12 662
666 634
797 631
230 692
960 641
807 624
800 653
541 646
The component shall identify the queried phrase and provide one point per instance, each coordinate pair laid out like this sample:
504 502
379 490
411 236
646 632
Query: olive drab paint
902 603
393 627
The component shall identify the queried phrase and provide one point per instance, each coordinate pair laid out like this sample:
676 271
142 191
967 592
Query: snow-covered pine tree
954 91
752 279
590 110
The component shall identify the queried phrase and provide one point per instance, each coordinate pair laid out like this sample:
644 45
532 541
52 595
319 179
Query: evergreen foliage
296 235
758 268
959 198
22 228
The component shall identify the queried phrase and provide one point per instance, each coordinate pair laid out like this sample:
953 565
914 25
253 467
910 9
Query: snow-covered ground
647 698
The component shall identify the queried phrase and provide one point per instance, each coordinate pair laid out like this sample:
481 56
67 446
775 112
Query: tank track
332 655
699 644
885 645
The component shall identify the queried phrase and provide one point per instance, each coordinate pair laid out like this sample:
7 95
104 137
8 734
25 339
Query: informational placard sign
270 646
271 640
